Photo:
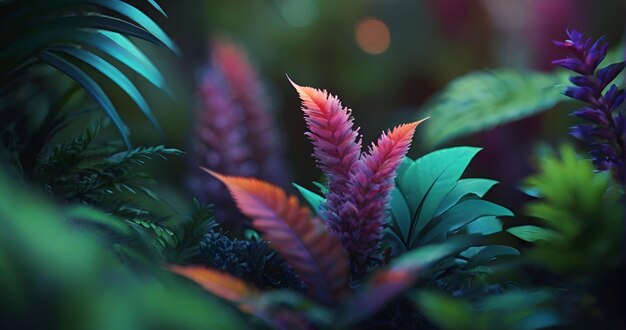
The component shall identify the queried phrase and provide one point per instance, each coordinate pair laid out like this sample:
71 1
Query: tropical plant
69 34
359 184
523 310
431 204
496 97
78 273
606 133
577 209
234 134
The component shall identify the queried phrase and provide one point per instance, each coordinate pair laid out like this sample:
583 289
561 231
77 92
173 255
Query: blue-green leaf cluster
432 204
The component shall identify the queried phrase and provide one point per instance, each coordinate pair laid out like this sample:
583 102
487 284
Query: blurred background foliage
389 61
430 43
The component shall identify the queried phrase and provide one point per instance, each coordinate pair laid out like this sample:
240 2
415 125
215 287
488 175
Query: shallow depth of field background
383 59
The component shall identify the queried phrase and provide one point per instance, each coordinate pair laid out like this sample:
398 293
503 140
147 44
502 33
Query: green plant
69 34
581 214
57 273
485 99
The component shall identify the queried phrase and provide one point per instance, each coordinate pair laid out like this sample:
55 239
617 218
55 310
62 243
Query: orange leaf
316 255
217 282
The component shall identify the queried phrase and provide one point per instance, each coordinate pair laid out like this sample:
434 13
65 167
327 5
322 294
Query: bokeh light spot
372 35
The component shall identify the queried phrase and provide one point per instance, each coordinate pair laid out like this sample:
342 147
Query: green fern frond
581 212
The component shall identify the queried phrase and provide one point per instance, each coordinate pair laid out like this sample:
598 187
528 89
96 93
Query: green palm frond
73 35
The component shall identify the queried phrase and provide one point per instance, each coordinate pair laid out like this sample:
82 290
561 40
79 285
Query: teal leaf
116 76
316 201
90 86
485 226
464 187
401 214
430 178
533 234
157 7
460 215
491 252
140 18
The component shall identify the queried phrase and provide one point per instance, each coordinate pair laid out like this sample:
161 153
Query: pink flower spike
336 146
362 217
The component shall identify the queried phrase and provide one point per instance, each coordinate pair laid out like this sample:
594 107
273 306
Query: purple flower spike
606 135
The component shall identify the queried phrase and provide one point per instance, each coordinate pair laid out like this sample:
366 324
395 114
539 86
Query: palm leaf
91 87
116 76
33 28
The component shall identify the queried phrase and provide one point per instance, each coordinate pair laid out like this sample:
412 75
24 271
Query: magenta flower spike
234 132
359 185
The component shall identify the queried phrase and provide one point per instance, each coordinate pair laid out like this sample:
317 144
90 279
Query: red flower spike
316 255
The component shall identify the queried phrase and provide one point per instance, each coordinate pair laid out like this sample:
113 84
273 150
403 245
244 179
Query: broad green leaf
460 215
400 214
312 198
485 226
116 76
90 86
485 99
447 312
491 252
464 187
533 234
406 163
429 179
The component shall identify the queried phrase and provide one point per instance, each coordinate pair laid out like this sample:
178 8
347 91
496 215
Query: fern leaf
302 240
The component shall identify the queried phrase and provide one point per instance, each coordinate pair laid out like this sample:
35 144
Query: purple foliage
606 133
233 132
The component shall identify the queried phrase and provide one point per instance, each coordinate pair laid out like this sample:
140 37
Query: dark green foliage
514 310
86 170
252 260
582 214
69 34
55 275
